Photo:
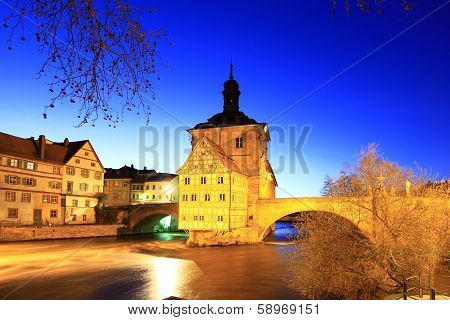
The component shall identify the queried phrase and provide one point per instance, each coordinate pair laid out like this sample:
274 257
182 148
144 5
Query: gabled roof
125 172
29 148
219 153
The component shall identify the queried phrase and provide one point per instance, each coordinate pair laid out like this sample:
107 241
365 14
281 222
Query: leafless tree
93 52
409 235
366 6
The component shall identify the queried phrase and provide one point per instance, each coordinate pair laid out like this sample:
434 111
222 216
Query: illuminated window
10 196
30 165
13 162
220 180
46 198
239 142
116 183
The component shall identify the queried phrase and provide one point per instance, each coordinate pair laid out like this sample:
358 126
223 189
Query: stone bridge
268 211
137 214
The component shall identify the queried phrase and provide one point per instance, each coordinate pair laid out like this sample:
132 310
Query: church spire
231 93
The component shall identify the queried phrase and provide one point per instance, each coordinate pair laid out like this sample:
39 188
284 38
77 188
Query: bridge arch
140 215
271 210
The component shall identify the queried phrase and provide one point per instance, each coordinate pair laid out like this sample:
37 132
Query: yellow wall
158 191
84 159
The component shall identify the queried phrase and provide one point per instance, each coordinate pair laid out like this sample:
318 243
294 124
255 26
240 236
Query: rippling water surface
146 267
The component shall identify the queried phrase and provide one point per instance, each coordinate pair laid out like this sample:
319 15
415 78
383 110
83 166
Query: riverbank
29 233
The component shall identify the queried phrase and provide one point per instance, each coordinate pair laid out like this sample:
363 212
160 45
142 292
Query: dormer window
239 143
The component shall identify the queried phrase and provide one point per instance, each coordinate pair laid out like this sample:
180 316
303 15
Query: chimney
145 168
66 142
132 166
41 146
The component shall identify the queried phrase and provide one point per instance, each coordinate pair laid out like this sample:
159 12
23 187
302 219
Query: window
77 161
185 197
74 203
13 162
69 187
13 213
116 183
28 182
45 198
70 170
125 183
207 197
97 175
220 180
219 218
160 187
195 218
10 196
203 180
12 179
63 202
30 165
87 203
202 218
222 197
53 184
96 188
115 196
85 173
86 154
187 180
93 164
54 199
56 170
134 196
153 197
74 217
84 217
53 213
26 197
147 187
148 197
153 187
193 197
83 186
239 142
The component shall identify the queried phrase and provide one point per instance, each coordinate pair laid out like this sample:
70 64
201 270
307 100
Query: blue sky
398 97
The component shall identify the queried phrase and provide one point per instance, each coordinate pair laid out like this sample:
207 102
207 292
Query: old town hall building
226 172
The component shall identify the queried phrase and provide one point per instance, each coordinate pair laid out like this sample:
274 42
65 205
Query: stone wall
57 232
218 238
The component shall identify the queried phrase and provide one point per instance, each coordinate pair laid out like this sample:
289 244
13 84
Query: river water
153 266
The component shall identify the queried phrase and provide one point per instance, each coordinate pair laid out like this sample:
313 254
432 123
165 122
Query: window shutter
34 182
49 184
24 181
8 162
6 176
35 166
20 164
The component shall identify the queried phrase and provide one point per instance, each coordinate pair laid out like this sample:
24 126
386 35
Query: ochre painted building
130 186
44 182
226 172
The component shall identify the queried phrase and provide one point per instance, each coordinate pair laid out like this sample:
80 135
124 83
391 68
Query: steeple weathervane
231 71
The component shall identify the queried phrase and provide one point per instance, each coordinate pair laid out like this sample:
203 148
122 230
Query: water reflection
145 267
